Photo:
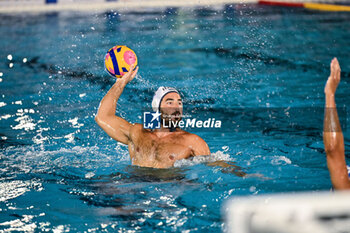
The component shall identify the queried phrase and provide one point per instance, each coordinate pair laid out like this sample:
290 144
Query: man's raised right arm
116 127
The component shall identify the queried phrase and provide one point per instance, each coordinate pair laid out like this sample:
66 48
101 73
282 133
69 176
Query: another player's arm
116 127
332 134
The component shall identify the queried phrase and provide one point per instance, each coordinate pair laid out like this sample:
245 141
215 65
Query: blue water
60 171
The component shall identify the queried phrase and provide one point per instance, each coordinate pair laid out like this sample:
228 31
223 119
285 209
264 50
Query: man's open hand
333 79
130 75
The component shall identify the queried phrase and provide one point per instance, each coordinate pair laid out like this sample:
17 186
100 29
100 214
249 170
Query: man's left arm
199 146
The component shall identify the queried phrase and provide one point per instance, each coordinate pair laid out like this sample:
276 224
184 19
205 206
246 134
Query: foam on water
12 189
280 160
216 156
37 159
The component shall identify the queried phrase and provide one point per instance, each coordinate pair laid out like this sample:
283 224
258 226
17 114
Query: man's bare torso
158 149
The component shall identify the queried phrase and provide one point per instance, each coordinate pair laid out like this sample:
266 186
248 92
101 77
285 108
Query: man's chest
162 151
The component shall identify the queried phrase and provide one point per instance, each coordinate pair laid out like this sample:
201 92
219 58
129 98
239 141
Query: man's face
171 107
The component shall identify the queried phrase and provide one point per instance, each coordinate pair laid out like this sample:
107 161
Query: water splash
216 156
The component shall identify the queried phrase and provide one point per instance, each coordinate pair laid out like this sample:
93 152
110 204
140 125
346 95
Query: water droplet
225 148
252 188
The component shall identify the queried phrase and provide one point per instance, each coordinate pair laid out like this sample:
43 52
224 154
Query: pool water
60 172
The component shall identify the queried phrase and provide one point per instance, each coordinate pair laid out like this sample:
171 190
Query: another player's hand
333 79
130 75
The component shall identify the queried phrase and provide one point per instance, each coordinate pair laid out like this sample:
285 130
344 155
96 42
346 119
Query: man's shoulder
135 127
192 136
138 129
197 143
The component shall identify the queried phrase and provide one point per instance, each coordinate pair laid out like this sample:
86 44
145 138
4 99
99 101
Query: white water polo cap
159 95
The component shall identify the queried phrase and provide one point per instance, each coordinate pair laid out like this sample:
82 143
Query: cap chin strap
173 129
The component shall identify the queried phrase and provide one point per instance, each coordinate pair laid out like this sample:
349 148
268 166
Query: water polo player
332 134
159 148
